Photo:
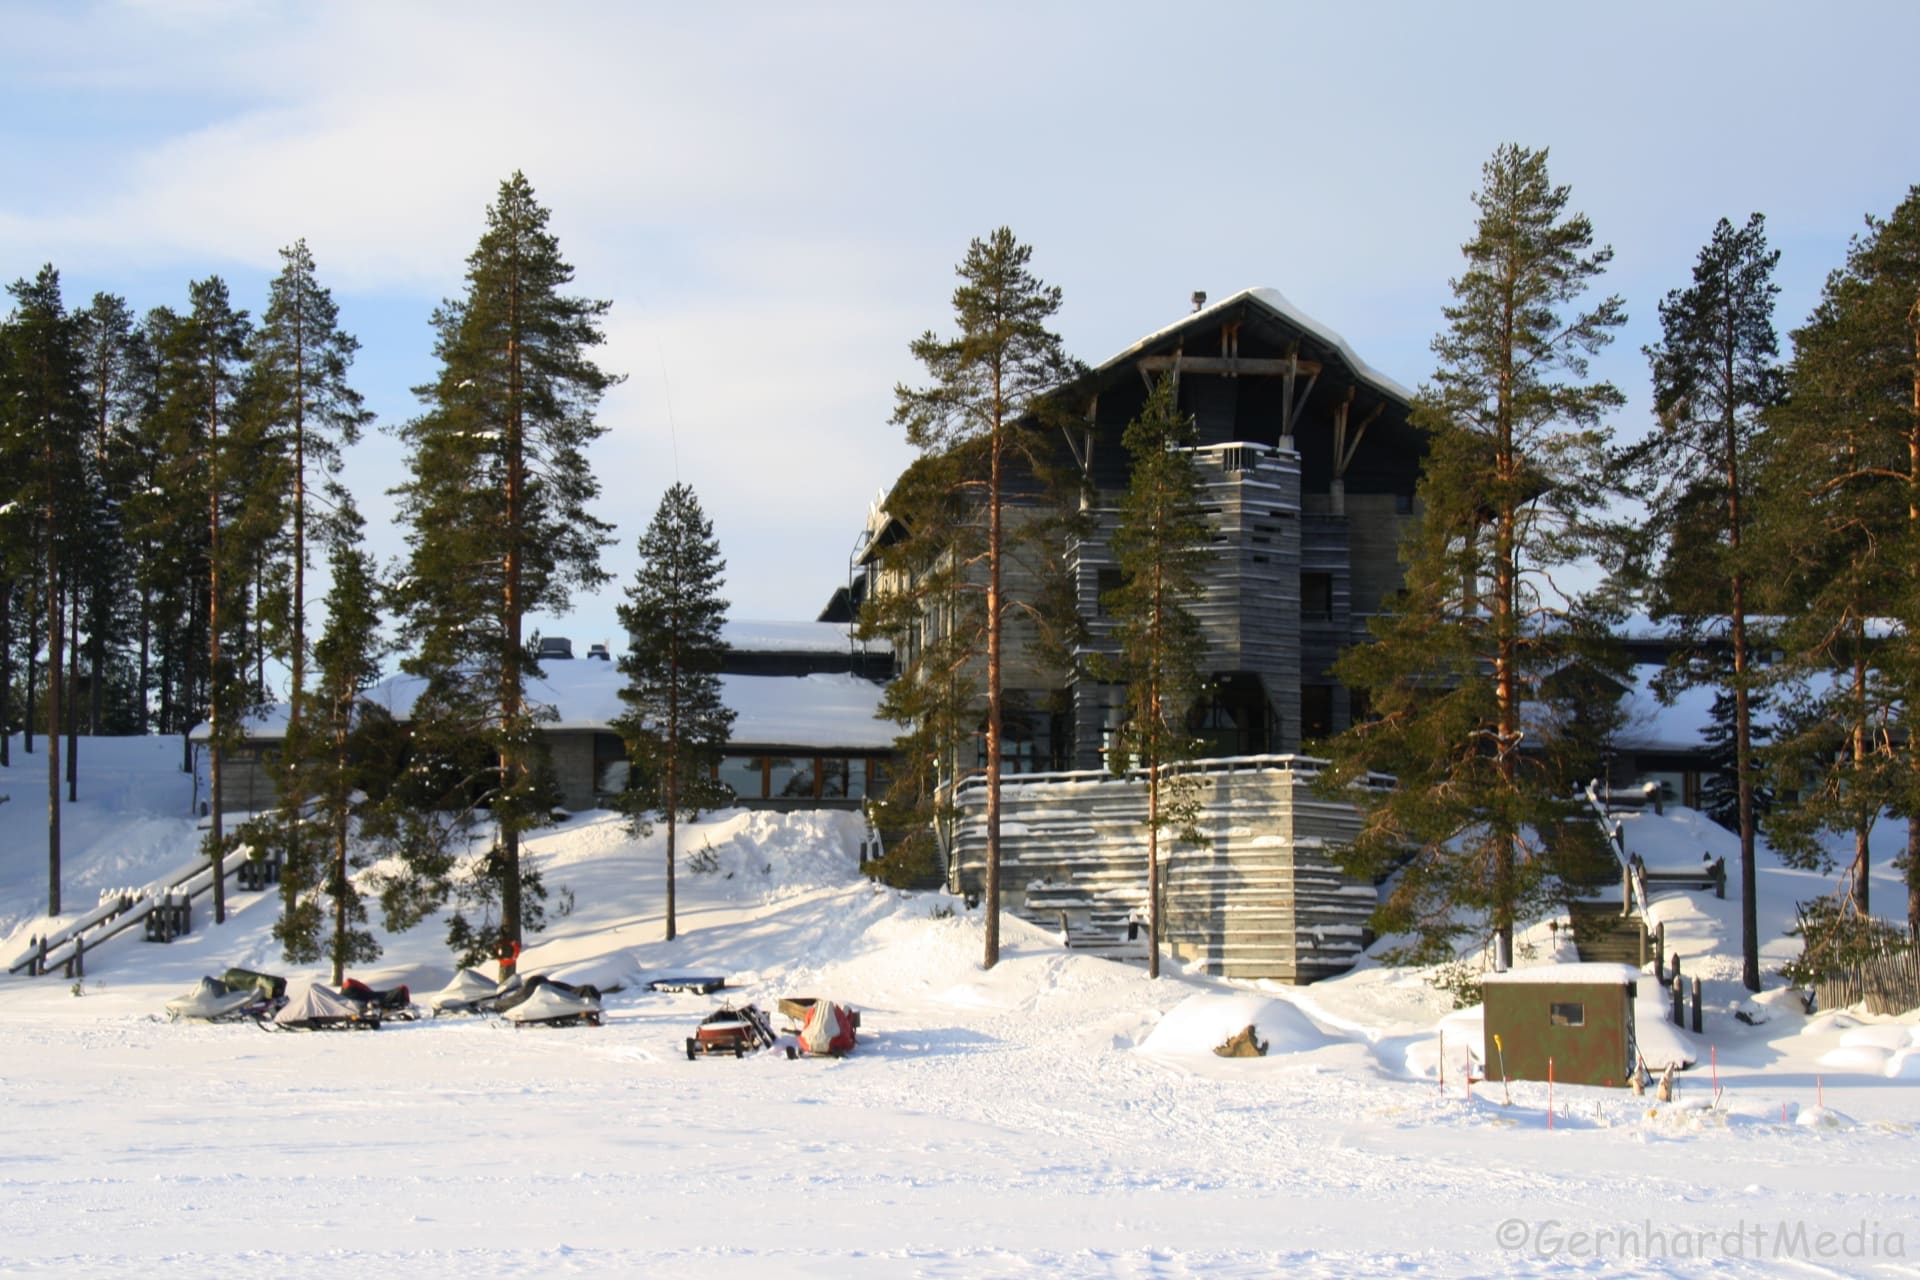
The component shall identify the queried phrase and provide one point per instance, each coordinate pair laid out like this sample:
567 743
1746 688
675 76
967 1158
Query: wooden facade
1262 899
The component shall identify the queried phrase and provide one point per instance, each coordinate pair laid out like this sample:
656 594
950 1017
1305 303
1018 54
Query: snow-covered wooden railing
1633 884
66 948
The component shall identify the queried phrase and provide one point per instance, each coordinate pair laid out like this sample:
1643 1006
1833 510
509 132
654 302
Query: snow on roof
1590 972
1276 302
788 637
794 711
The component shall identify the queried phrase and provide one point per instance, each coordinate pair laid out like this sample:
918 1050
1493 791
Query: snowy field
1056 1116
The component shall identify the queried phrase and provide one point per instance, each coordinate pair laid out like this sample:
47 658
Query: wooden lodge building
1308 465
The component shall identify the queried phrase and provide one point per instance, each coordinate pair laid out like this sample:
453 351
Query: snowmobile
321 1008
555 1004
738 1031
395 1003
463 994
212 1000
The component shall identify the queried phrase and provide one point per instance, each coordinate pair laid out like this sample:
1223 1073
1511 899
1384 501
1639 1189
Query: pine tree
1514 488
676 725
300 362
1843 528
331 763
979 426
119 387
43 400
1161 547
1715 371
210 477
499 525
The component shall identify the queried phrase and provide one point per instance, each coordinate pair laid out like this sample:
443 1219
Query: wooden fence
1888 983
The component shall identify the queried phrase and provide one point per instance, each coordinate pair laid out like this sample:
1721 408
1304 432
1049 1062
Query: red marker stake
1549 1093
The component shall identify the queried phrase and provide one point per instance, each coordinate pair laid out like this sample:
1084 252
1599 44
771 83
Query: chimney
1199 299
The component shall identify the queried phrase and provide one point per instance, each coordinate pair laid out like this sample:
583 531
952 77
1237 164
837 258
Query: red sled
738 1031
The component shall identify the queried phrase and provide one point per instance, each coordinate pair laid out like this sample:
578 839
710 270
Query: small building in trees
1308 468
805 735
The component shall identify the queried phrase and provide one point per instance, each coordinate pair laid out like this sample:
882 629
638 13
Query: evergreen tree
211 475
1714 371
676 725
119 395
1721 791
1514 488
499 525
1161 547
332 766
300 362
43 399
979 426
1843 528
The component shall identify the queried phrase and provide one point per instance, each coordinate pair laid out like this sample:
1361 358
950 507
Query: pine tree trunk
6 673
146 650
54 611
994 536
33 675
673 783
73 702
1862 827
216 683
512 767
1742 706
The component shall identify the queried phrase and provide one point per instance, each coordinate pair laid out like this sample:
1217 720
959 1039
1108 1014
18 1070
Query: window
1316 597
789 779
746 776
833 779
1316 710
1107 581
1567 1015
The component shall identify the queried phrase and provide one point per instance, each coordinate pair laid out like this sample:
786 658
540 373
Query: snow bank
1201 1022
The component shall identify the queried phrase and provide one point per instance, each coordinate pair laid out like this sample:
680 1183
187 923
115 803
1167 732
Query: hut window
1567 1015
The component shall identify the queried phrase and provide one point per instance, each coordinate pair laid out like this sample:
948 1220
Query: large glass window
745 775
833 779
789 779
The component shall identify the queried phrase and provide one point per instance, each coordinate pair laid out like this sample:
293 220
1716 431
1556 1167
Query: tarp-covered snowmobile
319 1008
464 993
211 1000
555 1004
394 1003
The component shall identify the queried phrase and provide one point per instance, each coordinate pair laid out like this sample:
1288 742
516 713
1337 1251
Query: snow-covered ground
1057 1115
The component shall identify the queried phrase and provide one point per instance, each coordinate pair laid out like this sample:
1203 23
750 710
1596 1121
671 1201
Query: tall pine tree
333 766
1843 523
498 520
1161 546
300 361
1715 370
675 725
210 478
979 424
1513 490
43 400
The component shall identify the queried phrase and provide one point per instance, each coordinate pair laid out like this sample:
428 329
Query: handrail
1202 765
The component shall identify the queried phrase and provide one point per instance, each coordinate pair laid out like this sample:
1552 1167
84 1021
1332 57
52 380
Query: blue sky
773 196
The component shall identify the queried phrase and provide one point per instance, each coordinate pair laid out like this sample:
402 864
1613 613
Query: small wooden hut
1578 1016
